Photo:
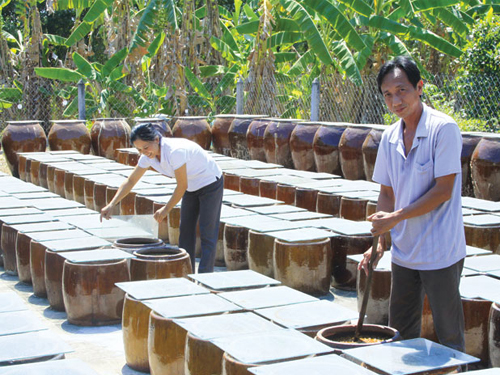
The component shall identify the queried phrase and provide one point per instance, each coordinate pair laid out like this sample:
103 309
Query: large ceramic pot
277 141
135 327
22 136
220 134
194 128
351 153
235 247
494 335
160 263
160 124
485 168
108 135
261 253
255 139
326 147
377 310
470 140
301 145
69 135
238 135
370 149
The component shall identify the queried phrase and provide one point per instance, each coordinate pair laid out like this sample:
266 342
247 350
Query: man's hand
383 222
363 265
106 212
161 214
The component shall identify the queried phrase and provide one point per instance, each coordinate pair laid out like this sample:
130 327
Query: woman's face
149 148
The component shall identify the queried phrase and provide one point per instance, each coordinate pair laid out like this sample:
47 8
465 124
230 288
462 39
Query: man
418 167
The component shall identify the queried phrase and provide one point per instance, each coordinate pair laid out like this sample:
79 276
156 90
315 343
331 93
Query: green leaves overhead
359 6
80 32
435 41
97 10
84 67
62 74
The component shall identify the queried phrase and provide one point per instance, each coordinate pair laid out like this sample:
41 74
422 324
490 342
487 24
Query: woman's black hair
145 132
405 64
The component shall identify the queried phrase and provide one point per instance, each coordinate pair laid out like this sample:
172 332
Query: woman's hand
161 214
107 211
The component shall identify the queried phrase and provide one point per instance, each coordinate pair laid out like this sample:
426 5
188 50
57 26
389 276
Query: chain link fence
473 101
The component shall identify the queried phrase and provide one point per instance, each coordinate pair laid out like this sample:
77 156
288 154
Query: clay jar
108 135
370 149
470 140
255 139
135 326
69 135
485 168
22 136
277 141
220 134
238 135
494 335
301 145
326 147
377 310
160 263
351 154
160 124
194 128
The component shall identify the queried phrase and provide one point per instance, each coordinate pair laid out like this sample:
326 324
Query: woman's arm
180 189
123 190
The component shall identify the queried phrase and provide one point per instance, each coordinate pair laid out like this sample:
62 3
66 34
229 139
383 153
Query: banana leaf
62 74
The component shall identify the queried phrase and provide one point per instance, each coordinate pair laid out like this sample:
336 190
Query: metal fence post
315 100
239 97
81 100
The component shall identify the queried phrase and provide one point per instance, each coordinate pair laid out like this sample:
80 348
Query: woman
199 184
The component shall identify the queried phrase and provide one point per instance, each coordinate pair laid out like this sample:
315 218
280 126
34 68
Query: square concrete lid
20 211
257 164
480 204
249 219
324 364
31 345
408 357
303 215
72 212
262 347
230 193
347 227
276 209
84 157
276 225
179 307
101 255
53 235
313 175
245 200
10 301
471 251
228 211
16 322
302 234
483 263
250 172
53 203
161 288
35 195
125 231
233 279
42 227
26 219
62 367
309 314
214 326
92 221
383 264
72 244
260 298
480 286
482 220
21 188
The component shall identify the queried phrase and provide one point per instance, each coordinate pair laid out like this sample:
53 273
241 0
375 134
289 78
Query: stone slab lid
125 231
257 164
480 204
309 314
245 200
72 366
470 211
101 255
113 166
179 307
260 298
89 172
70 166
161 288
276 209
347 227
325 364
72 212
214 326
31 345
365 195
42 227
483 263
285 179
220 281
318 184
72 244
158 179
15 322
250 172
274 226
38 195
482 220
10 301
85 157
19 188
45 157
229 212
408 357
227 165
230 193
303 215
302 234
264 347
383 264
313 175
471 251
249 219
53 204
52 235
92 221
26 219
155 192
480 286
19 211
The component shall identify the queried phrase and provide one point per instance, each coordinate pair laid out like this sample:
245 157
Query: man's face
400 96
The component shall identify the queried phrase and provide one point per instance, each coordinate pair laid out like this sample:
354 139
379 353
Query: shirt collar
422 127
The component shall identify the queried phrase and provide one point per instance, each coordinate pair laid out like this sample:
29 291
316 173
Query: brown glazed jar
238 135
301 145
220 134
194 128
160 124
108 135
485 168
494 335
470 140
370 149
326 147
255 138
69 135
161 262
351 154
22 136
277 141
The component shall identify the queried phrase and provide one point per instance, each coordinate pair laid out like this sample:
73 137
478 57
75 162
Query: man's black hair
145 132
405 64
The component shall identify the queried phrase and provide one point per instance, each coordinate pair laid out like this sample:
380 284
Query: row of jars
348 150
